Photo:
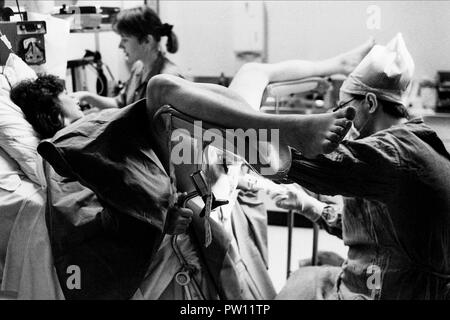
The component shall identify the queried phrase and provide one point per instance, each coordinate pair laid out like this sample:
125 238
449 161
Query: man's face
362 116
70 107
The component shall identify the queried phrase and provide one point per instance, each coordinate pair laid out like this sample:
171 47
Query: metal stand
291 216
314 259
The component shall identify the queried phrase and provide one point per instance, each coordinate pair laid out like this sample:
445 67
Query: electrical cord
18 10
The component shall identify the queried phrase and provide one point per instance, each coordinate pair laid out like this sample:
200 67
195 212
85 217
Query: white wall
295 29
204 32
319 29
309 30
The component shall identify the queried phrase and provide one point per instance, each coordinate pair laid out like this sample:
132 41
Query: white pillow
17 70
17 137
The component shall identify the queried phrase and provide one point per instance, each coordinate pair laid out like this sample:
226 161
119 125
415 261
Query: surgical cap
385 71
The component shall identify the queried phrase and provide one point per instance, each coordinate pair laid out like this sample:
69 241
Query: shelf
103 28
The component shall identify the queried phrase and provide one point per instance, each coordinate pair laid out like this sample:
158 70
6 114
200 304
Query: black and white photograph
227 156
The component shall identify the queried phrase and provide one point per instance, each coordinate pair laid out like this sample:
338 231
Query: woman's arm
95 100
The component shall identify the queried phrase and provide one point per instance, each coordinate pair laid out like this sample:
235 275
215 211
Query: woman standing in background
141 31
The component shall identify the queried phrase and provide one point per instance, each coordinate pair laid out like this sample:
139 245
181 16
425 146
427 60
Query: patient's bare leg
309 134
252 79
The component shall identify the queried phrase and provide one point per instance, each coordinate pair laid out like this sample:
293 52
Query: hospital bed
26 265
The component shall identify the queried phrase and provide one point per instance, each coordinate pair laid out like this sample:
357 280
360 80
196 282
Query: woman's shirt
135 88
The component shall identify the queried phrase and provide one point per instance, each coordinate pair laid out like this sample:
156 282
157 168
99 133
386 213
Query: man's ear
372 102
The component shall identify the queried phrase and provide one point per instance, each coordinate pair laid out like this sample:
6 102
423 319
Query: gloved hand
250 182
178 219
295 198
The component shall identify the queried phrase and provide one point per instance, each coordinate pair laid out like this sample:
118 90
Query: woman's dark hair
142 21
38 100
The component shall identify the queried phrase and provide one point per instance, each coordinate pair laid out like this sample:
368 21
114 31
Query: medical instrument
204 191
186 275
26 39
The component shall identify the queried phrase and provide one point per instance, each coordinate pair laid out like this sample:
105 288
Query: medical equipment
443 89
306 96
185 277
109 14
81 17
92 60
27 41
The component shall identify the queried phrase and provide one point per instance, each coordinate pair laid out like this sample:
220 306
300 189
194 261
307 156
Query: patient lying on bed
122 157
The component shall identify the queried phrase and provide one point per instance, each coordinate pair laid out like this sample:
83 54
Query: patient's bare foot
349 60
317 134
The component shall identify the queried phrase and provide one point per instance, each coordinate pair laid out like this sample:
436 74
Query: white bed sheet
26 266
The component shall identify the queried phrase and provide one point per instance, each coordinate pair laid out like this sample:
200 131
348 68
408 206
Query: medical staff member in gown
141 31
396 176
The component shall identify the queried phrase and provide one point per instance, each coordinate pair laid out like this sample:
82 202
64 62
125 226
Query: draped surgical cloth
386 71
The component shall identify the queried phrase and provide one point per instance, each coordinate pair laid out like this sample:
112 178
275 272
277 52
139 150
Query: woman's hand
178 219
94 100
83 96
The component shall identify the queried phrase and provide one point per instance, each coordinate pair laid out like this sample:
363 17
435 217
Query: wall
204 32
295 29
309 30
324 28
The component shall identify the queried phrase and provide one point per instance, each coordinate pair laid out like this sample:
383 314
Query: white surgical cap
385 71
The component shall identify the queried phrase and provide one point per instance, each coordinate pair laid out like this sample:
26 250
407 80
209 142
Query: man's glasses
343 104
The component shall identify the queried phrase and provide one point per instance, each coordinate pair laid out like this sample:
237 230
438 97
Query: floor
302 241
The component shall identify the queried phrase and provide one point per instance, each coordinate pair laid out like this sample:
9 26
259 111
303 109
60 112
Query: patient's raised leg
309 134
252 79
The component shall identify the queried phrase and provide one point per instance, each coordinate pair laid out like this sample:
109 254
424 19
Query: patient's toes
343 123
333 137
339 130
347 113
350 113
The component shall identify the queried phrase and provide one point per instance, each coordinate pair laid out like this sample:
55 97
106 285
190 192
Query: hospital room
252 151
